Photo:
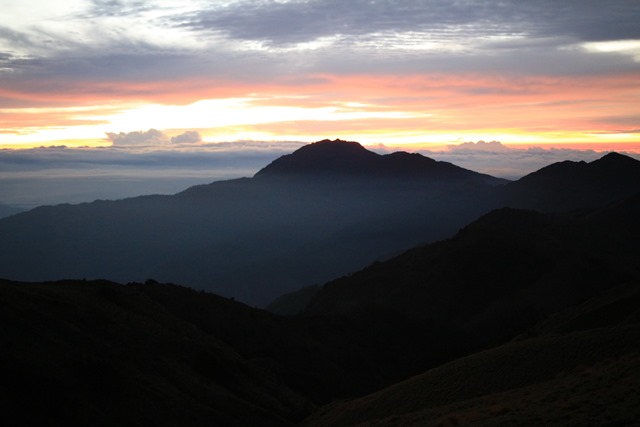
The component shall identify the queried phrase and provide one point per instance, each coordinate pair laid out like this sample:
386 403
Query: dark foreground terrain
522 317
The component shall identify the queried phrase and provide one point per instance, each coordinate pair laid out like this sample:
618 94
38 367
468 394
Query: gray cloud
189 137
150 137
294 22
506 36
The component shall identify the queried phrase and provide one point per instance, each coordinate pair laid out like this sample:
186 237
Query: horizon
55 175
408 75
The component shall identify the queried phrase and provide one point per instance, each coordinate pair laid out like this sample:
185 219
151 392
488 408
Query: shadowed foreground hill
581 367
99 353
96 353
497 277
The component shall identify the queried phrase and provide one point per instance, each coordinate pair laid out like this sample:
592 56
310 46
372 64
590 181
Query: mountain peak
337 159
614 159
324 157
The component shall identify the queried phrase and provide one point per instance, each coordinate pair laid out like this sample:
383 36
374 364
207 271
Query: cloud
482 146
279 23
189 137
138 138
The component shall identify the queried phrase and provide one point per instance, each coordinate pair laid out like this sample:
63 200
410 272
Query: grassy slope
575 373
97 353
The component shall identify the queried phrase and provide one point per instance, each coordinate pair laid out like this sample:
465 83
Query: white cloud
491 146
138 138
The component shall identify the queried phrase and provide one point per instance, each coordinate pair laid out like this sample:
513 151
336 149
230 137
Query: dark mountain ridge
338 159
495 277
325 210
252 238
571 185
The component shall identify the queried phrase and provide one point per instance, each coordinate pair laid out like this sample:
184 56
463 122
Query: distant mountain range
328 209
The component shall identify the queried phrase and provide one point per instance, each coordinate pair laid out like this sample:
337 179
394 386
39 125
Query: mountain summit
569 185
322 158
341 159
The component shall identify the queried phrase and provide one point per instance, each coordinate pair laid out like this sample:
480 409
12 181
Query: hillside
100 353
151 353
581 368
497 277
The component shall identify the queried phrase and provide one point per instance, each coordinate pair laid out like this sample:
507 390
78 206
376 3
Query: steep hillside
581 367
497 277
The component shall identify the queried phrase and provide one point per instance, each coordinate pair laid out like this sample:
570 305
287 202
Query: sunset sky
168 73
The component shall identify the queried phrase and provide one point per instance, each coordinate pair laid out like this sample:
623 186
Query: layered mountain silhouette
576 185
328 209
254 238
548 299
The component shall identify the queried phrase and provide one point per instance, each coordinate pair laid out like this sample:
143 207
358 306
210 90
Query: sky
398 72
144 78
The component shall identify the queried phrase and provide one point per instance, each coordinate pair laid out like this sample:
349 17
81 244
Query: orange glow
593 110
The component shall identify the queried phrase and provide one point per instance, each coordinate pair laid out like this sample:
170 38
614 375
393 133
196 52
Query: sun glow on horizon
418 109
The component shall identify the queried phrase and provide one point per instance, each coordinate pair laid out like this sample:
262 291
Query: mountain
580 368
337 160
576 185
327 209
100 353
554 315
302 220
6 210
494 279
521 315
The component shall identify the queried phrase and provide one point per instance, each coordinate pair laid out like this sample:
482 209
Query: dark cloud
295 22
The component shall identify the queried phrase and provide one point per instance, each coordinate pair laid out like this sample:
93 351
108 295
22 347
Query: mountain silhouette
339 159
327 209
576 185
542 295
253 238
496 277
